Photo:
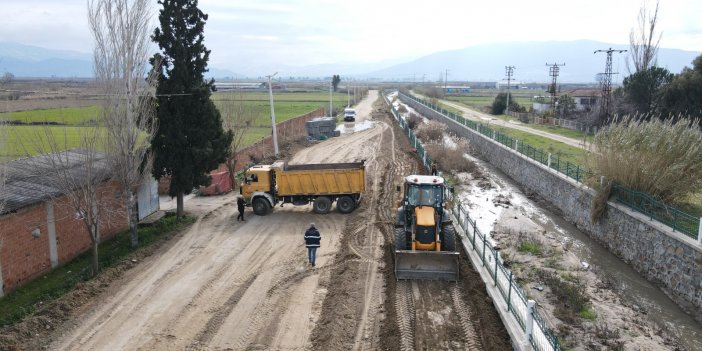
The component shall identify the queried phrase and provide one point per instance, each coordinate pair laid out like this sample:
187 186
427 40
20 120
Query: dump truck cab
425 239
259 188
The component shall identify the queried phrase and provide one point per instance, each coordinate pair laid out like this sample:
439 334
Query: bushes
450 158
414 120
431 131
660 157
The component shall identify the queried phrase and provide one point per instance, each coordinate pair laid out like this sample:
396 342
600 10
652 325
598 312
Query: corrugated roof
35 179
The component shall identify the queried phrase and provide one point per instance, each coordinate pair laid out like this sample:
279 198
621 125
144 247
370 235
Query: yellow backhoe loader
425 239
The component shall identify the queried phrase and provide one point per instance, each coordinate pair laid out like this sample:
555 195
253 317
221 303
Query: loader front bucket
426 265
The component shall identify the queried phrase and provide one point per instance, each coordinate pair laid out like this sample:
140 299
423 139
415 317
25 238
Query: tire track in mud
406 317
464 315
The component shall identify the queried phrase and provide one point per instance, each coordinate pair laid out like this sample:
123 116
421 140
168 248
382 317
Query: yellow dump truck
321 184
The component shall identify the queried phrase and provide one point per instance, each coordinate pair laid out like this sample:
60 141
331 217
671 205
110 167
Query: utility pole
331 98
607 83
553 71
275 134
446 82
509 70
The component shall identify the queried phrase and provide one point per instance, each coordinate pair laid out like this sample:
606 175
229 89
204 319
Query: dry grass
431 132
662 158
599 202
451 159
414 120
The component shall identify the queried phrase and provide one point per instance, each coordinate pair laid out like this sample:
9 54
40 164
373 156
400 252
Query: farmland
28 135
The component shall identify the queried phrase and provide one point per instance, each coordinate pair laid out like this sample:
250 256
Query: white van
349 115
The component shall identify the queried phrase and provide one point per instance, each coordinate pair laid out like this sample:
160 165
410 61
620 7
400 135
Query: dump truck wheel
345 204
322 205
449 241
401 239
261 206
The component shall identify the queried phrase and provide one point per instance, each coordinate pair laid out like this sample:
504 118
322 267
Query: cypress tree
190 140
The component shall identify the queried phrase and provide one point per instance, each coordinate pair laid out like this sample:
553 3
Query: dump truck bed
320 179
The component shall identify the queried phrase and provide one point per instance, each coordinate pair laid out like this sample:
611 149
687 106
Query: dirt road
232 285
486 118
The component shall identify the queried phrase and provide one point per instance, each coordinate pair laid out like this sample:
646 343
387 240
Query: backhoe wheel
345 204
401 239
322 205
261 206
449 240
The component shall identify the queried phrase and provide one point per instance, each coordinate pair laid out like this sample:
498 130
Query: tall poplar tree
190 140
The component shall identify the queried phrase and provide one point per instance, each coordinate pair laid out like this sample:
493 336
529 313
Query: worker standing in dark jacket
312 240
240 204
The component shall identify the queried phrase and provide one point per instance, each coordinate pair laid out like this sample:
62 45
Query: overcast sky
264 34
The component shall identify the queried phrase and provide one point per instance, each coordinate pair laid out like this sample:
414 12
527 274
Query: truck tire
449 238
322 205
345 204
401 239
261 206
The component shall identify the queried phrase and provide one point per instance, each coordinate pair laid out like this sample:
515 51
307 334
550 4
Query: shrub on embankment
662 158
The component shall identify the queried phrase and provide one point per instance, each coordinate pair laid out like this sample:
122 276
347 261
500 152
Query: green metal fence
524 311
640 202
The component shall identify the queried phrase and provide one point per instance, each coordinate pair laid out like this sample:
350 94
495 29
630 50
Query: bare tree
643 41
121 29
76 179
238 118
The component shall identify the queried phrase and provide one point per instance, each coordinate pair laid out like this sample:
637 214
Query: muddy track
246 285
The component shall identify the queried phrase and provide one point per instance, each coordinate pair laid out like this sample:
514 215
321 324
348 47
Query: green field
479 101
564 151
24 140
67 115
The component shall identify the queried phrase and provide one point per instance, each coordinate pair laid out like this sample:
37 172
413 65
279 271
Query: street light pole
331 98
275 134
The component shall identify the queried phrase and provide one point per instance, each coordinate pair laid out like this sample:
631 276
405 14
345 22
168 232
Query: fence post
549 160
484 244
529 325
699 233
509 293
497 258
516 145
474 230
493 134
602 181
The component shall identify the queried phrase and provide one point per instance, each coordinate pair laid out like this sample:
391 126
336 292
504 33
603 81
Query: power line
553 71
509 72
607 82
82 94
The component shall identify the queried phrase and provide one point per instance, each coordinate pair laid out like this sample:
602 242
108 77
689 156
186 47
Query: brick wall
24 257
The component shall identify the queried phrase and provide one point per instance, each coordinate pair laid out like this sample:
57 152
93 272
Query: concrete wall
38 238
662 256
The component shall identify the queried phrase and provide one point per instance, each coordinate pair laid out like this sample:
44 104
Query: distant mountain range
487 62
476 63
26 61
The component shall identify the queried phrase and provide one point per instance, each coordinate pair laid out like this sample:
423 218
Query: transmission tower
553 71
607 82
509 70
